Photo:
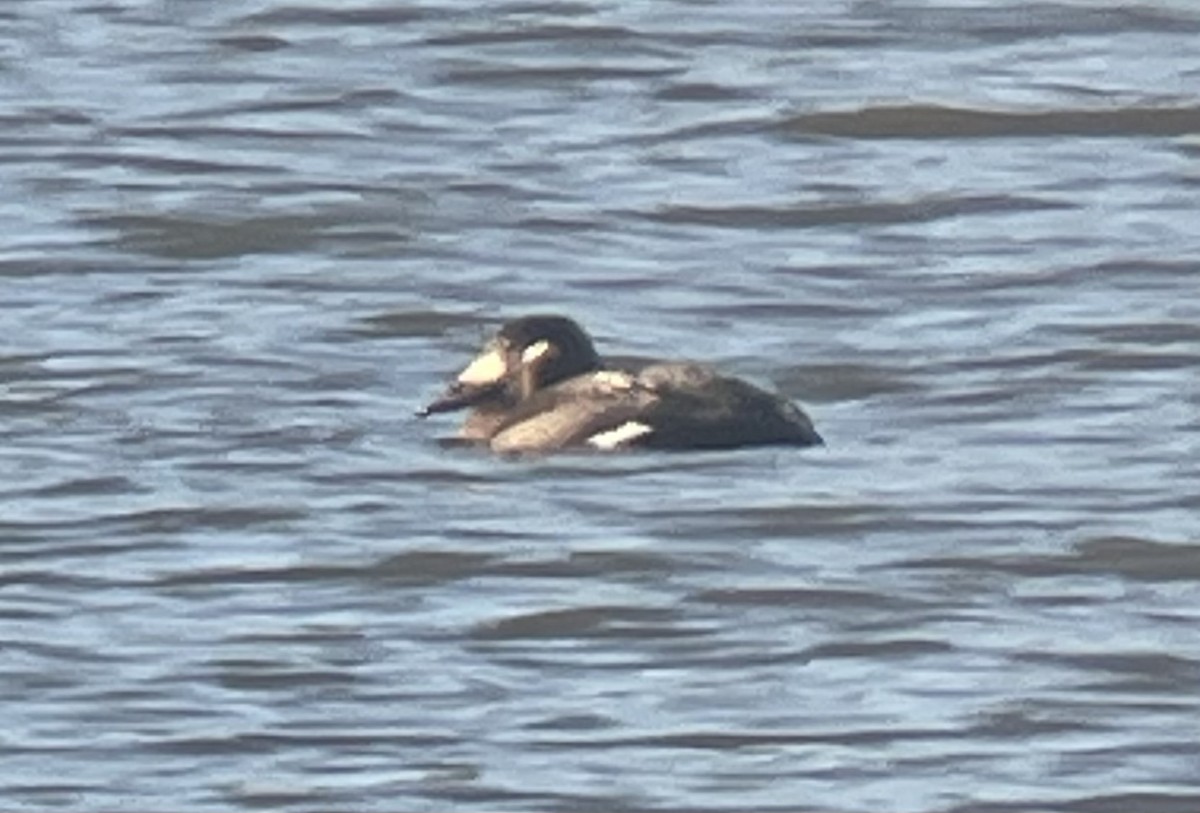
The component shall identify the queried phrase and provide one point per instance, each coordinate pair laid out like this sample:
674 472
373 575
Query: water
244 241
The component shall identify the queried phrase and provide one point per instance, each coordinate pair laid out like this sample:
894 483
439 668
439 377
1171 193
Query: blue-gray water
242 241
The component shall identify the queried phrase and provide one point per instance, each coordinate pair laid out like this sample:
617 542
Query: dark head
525 355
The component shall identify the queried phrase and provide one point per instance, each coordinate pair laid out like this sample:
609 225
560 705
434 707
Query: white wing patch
616 438
613 380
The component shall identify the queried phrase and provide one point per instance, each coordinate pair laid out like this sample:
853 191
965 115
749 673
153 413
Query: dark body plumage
540 386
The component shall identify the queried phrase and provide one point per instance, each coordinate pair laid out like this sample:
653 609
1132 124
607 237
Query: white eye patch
488 368
535 351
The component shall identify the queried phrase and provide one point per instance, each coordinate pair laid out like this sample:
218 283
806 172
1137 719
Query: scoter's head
525 355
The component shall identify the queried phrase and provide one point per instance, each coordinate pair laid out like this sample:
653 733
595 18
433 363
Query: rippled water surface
244 240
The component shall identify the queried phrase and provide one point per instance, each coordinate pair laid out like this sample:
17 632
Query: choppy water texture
244 240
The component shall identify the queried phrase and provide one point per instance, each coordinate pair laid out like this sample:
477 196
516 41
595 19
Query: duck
538 385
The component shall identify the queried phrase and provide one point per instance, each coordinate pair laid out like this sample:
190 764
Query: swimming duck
538 385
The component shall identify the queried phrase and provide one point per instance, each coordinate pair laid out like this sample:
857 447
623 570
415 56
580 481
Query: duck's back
662 406
695 408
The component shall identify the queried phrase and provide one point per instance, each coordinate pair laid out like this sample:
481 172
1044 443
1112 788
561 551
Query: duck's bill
487 368
460 396
483 378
